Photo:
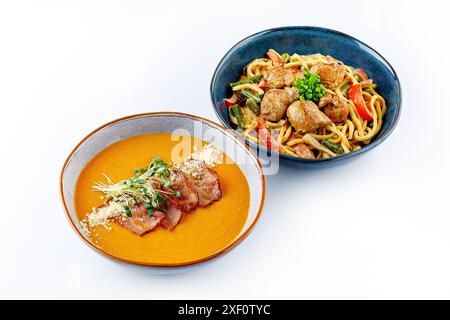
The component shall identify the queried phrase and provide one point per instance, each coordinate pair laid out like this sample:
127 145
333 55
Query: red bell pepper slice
265 138
229 102
355 94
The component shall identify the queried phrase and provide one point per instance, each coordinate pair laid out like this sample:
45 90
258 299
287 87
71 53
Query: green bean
254 79
253 106
236 113
332 146
250 95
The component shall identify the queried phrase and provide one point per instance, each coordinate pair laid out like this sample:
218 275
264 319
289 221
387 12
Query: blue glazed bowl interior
310 40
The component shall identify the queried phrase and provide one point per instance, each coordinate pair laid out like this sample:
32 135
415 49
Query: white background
378 227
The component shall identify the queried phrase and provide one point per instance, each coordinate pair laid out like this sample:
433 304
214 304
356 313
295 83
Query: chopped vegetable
128 211
229 102
286 57
253 79
240 99
366 84
177 194
250 95
360 74
253 106
344 88
168 183
249 86
309 139
309 87
149 209
333 147
232 117
144 186
236 113
355 94
249 118
265 138
275 57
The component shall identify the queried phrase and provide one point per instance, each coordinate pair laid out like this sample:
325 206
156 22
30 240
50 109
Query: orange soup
201 233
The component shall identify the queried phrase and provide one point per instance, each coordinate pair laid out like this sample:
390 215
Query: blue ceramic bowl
309 40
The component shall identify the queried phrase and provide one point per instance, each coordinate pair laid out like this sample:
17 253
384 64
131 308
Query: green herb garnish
149 209
310 87
145 186
128 211
168 183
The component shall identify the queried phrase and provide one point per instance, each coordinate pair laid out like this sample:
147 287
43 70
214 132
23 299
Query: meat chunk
305 116
276 101
334 107
331 75
188 199
205 182
172 217
140 221
280 77
184 203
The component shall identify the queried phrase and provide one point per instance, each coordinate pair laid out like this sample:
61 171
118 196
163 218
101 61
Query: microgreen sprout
146 186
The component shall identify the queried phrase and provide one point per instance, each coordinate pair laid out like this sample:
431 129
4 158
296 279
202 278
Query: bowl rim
221 252
373 144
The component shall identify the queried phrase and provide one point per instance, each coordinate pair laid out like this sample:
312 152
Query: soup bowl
310 40
163 122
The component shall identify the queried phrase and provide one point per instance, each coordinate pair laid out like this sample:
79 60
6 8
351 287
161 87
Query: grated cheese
209 155
101 216
192 167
